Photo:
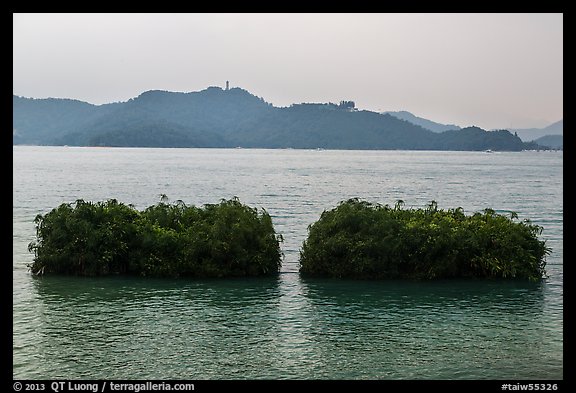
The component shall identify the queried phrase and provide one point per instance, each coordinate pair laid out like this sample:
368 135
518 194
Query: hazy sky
489 70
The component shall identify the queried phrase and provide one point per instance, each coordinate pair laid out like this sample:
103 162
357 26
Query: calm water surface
287 327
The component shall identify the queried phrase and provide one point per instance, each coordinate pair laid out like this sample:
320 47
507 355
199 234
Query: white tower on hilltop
227 85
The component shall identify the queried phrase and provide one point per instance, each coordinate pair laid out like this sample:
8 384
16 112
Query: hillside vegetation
234 118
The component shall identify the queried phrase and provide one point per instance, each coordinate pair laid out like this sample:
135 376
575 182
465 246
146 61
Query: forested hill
233 118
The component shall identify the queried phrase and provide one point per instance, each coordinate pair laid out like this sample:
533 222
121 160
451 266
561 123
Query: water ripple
287 327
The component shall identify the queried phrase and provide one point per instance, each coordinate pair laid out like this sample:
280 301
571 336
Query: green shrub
358 239
218 240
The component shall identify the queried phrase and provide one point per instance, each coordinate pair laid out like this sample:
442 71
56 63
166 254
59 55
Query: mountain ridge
216 117
533 134
424 123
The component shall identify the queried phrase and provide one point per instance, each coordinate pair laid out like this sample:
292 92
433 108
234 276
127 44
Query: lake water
287 327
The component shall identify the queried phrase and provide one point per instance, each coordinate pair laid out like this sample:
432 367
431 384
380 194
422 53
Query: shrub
358 239
218 240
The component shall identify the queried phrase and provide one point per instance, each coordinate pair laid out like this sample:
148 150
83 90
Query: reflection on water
439 330
288 327
397 296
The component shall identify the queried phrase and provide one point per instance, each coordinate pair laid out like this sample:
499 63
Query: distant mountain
424 123
551 141
530 134
36 121
556 128
234 118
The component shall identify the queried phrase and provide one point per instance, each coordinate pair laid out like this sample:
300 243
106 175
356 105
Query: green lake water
287 327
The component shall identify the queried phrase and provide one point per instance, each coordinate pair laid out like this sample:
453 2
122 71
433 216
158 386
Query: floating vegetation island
357 239
228 239
361 240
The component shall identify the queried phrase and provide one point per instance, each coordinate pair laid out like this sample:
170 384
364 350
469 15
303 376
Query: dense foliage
358 239
225 239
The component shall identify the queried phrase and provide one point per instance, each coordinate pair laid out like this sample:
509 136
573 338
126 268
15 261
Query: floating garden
228 239
361 240
356 239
